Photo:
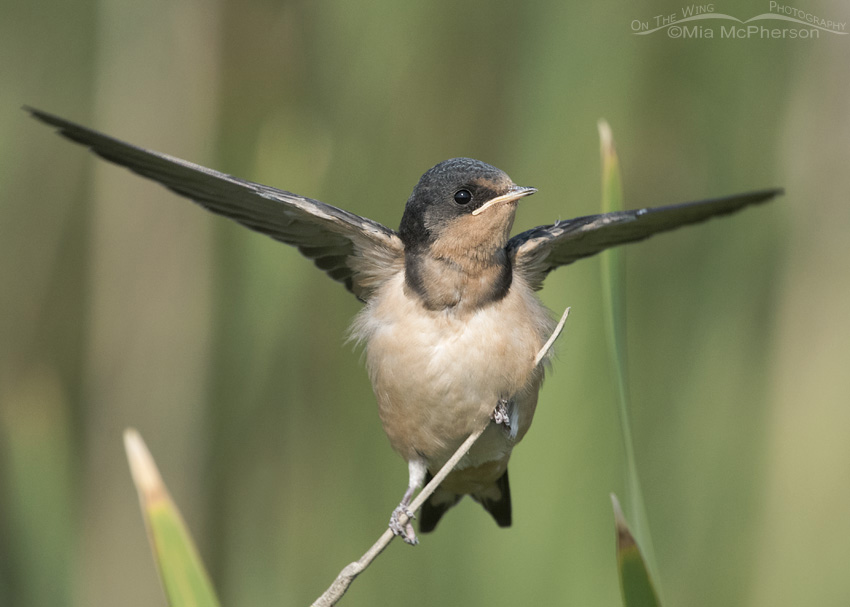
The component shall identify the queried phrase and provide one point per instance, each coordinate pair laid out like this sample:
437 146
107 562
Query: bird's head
460 207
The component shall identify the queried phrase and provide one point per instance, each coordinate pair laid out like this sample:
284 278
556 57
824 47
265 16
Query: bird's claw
405 531
500 414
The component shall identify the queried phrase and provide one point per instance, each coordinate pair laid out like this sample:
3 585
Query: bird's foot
500 414
405 531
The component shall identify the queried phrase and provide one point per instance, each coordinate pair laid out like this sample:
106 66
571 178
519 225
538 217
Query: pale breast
437 375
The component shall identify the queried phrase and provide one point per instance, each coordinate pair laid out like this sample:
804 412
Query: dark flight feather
354 250
538 251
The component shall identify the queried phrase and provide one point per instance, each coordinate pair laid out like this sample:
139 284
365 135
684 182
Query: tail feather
431 513
497 502
500 508
435 506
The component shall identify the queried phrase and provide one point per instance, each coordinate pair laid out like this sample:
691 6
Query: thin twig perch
352 570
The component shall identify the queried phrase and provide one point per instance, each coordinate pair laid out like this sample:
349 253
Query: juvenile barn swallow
451 323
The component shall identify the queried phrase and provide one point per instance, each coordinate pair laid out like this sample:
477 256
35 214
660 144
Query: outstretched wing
354 250
538 251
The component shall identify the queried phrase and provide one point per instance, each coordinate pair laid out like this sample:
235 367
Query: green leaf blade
636 584
629 560
181 570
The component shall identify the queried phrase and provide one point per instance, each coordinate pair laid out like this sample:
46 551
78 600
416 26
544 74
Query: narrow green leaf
612 188
613 287
182 573
636 584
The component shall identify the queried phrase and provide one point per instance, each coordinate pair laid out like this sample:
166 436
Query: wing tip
757 196
43 116
773 192
70 130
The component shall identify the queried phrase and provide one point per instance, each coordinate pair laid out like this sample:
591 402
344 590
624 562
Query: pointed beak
515 193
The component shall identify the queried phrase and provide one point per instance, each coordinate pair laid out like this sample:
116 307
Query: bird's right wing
354 250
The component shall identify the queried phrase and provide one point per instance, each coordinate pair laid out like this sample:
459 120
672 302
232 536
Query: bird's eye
463 196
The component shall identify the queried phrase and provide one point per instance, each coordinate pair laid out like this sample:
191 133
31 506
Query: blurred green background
123 305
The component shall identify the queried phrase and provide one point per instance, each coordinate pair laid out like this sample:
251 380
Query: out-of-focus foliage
123 305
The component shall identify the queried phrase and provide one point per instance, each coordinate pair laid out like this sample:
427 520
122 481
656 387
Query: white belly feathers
437 375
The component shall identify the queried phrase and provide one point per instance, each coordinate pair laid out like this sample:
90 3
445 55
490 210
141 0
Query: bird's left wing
538 251
354 250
